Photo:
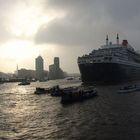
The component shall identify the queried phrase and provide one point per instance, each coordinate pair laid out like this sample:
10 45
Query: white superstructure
113 53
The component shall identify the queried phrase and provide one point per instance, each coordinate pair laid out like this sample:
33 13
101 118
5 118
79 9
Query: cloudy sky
62 28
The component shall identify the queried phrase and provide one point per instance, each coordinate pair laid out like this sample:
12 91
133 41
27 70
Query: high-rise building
55 72
39 64
56 61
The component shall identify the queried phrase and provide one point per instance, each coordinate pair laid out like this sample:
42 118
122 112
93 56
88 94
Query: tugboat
40 90
57 91
53 91
75 95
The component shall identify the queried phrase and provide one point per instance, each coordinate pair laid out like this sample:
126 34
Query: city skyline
35 67
66 29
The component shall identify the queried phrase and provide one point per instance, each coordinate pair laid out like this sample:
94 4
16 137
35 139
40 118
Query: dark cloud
88 20
124 10
62 32
78 27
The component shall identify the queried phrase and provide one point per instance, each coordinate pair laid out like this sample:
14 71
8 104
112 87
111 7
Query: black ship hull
108 73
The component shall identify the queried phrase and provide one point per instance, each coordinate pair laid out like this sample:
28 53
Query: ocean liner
111 63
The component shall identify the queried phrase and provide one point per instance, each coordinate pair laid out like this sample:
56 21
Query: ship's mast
106 40
117 39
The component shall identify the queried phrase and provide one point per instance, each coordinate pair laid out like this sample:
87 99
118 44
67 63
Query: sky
62 28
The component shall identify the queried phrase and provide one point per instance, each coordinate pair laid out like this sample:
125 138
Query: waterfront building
26 74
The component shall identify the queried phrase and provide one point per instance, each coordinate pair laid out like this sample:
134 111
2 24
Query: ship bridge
110 46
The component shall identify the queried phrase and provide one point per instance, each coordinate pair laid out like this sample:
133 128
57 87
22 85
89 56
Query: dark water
110 116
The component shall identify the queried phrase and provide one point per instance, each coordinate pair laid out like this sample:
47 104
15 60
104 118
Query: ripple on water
24 115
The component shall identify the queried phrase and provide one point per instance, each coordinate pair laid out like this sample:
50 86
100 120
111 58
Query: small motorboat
52 90
40 90
57 91
128 89
74 95
24 83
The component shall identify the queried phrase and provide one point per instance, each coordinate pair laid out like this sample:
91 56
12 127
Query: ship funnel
125 43
106 40
117 39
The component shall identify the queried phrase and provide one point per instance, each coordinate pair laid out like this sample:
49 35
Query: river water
110 116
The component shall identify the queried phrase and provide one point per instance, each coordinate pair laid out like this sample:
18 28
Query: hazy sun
26 20
18 49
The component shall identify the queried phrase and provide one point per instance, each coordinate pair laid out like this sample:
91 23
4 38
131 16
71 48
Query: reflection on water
24 115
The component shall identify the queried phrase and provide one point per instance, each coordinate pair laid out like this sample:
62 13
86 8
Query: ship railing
126 62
